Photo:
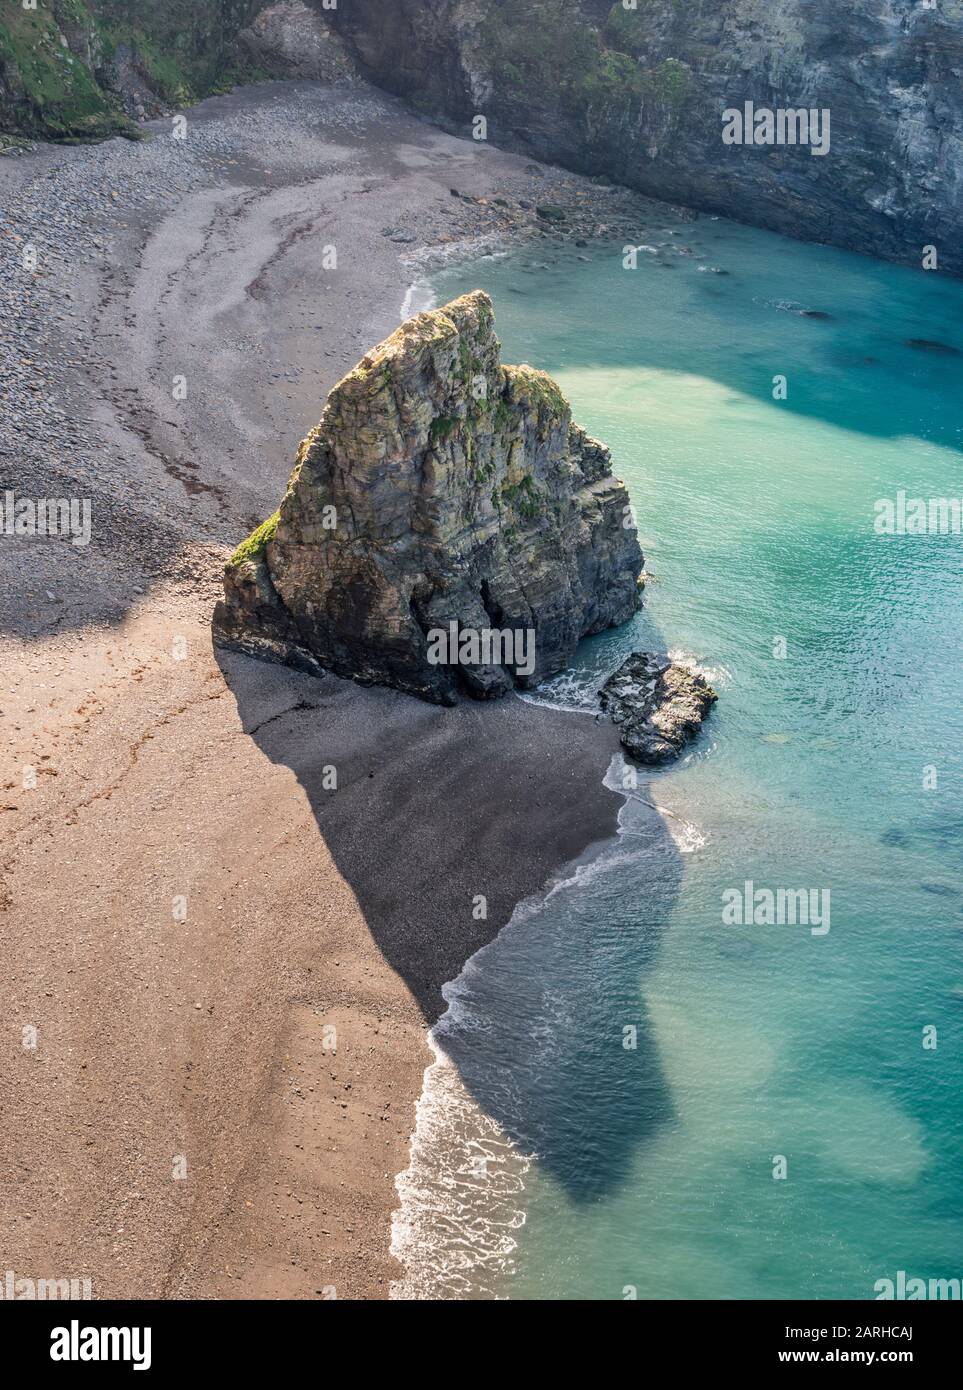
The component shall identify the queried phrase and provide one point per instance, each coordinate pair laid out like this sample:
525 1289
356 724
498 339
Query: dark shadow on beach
435 808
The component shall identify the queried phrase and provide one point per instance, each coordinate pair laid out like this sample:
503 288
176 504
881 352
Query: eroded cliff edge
637 93
440 488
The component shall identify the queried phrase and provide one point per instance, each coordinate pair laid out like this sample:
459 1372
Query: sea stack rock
658 705
441 493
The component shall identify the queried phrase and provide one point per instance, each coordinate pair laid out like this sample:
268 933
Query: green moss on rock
537 387
669 83
441 427
254 546
45 87
523 496
59 62
546 51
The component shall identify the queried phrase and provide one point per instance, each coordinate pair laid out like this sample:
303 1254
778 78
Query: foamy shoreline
460 1197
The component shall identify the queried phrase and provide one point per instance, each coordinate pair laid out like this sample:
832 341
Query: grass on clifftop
57 61
536 386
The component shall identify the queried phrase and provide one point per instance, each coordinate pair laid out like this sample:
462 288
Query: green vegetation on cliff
545 47
183 46
529 384
45 86
68 67
254 545
538 45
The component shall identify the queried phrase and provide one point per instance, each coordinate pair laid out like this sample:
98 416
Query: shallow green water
577 1168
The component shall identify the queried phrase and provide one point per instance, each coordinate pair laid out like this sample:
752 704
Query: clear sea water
551 1160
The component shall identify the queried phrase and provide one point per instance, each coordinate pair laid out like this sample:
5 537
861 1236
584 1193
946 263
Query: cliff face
442 496
74 69
83 68
638 95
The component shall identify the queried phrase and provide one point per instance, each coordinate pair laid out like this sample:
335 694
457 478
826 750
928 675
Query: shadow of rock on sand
434 806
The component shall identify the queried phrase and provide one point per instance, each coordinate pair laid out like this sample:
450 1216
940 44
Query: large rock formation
638 94
293 39
442 493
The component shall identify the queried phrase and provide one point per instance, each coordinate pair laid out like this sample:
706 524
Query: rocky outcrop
294 38
657 704
447 529
638 94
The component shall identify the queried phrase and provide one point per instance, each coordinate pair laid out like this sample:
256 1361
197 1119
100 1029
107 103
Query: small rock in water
942 890
657 704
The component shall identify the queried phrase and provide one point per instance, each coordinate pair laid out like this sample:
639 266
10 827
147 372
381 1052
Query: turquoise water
552 1161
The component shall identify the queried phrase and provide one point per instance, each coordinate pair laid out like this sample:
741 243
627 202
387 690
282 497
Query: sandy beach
219 973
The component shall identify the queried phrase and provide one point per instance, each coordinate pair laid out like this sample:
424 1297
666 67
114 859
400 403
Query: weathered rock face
657 704
84 67
638 95
293 39
442 492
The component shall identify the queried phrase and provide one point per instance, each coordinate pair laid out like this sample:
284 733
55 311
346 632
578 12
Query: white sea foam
785 306
460 1196
686 836
461 1192
418 300
532 697
715 675
574 690
425 260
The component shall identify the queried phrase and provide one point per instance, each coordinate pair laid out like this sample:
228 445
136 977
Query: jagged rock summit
442 493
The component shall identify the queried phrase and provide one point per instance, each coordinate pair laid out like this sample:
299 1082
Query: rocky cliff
442 497
638 94
85 69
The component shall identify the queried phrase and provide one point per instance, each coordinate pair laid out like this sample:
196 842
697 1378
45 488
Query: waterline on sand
463 1195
